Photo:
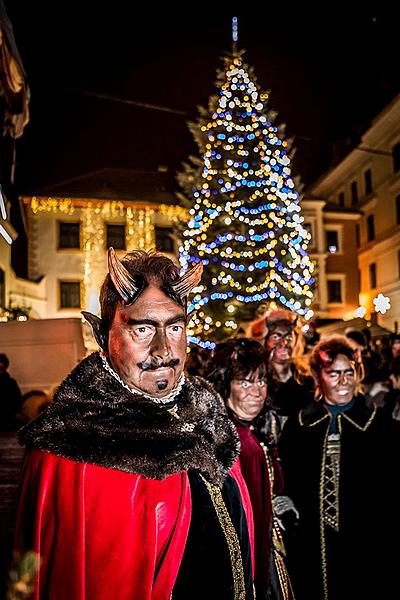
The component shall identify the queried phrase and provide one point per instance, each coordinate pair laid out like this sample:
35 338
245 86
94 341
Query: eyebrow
170 321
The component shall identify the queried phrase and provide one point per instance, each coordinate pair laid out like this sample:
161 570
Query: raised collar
360 415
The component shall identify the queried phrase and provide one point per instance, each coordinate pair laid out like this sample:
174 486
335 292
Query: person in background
34 403
291 386
391 403
340 462
373 388
10 397
131 488
238 371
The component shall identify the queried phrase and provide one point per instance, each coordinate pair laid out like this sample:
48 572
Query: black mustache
153 365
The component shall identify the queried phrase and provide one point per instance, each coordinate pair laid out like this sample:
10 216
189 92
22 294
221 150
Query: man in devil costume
131 488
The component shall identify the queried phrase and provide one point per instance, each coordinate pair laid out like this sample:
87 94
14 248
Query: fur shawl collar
94 419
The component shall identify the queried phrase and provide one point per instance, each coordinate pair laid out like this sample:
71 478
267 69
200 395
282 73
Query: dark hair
4 360
395 367
234 359
357 336
394 337
325 352
147 267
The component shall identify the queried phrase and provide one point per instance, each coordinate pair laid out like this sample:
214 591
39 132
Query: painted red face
147 342
247 396
280 344
338 381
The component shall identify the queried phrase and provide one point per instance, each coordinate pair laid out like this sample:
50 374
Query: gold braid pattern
231 537
278 546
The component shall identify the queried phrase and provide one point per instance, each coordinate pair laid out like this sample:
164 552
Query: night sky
328 76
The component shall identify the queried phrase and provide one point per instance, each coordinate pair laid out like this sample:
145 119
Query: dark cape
353 561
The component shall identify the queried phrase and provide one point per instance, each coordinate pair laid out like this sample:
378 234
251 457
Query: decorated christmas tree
245 219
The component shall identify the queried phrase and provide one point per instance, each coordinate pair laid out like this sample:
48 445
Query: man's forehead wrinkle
159 312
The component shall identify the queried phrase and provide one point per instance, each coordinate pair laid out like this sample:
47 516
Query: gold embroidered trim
231 537
326 416
367 424
321 519
331 482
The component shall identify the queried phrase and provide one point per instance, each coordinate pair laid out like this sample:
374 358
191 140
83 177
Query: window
396 158
115 236
372 275
164 239
354 193
2 288
334 291
368 181
357 236
398 210
69 235
332 241
341 199
70 294
370 228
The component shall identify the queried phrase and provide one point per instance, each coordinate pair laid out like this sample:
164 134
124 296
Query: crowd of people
265 469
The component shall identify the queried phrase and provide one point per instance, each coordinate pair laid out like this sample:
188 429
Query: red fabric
237 475
255 472
102 534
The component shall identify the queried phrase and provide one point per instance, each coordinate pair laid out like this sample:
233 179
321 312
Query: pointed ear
97 327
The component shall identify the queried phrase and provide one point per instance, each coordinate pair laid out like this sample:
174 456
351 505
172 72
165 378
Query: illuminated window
115 236
69 235
70 294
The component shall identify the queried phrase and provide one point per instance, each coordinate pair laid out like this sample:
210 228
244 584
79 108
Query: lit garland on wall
140 232
245 223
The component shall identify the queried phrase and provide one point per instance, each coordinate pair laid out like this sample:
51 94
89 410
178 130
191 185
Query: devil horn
123 281
184 285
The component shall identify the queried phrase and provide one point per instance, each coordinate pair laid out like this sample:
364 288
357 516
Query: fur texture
94 419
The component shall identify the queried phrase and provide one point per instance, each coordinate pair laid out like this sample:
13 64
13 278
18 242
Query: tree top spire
235 35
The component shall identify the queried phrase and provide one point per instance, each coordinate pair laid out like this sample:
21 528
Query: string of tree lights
245 220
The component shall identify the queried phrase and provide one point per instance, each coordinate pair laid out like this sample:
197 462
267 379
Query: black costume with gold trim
344 486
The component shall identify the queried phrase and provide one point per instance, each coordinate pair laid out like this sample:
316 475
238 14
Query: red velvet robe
255 471
104 534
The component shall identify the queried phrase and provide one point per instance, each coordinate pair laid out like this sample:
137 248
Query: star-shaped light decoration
381 303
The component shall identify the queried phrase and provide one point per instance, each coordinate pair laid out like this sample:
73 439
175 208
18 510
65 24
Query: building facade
368 180
68 237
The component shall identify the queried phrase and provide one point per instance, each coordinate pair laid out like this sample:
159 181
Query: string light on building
94 215
381 303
